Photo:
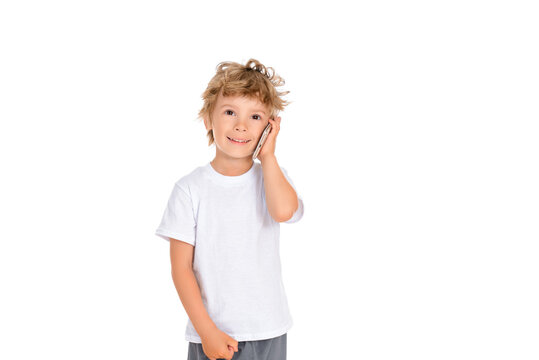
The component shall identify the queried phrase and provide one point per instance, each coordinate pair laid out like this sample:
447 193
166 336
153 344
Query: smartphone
262 140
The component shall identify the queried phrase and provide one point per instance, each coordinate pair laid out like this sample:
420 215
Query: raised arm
281 198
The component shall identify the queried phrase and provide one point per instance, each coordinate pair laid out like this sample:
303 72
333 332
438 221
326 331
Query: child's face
240 118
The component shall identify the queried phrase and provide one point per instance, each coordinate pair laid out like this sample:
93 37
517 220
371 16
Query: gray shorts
267 349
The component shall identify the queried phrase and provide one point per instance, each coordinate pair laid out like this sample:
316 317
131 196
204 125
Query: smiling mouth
238 142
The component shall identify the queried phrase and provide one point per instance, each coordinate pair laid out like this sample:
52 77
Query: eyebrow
258 110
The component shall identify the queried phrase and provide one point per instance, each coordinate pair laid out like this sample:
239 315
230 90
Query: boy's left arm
281 198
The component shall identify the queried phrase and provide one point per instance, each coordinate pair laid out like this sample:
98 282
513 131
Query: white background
412 137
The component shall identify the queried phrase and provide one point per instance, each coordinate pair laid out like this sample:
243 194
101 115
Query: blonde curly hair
253 80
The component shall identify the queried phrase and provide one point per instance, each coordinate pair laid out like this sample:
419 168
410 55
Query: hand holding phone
262 140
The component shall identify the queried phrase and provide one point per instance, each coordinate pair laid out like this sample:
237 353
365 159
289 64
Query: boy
222 222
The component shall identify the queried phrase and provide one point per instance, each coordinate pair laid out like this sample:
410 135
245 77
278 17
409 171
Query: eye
226 111
259 117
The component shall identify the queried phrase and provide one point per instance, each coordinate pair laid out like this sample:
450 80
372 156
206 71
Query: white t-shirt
236 256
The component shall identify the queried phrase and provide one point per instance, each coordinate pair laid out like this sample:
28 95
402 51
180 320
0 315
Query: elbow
282 217
287 216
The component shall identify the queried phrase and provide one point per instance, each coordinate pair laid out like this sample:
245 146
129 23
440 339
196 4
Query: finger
234 346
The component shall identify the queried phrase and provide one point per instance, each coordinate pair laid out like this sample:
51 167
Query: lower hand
218 345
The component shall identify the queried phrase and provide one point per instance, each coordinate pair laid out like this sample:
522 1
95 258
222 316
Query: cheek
217 128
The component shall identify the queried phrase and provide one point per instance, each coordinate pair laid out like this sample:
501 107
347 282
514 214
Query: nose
240 125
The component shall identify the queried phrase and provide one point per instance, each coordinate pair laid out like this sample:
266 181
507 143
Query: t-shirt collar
231 180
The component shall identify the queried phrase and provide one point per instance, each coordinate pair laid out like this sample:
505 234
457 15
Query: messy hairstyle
253 80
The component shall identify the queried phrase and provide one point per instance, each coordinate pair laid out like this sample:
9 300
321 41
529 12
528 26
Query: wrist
267 158
206 330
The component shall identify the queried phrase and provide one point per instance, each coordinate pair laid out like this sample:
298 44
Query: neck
232 167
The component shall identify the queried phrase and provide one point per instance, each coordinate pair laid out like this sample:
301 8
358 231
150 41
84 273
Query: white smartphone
262 140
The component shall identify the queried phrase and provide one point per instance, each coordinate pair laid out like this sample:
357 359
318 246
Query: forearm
281 198
189 292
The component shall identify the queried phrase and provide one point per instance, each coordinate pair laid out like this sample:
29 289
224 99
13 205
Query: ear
207 123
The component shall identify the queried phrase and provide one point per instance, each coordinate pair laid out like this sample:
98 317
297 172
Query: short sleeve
178 221
299 212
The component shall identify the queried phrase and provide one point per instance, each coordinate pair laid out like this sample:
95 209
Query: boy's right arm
181 258
215 343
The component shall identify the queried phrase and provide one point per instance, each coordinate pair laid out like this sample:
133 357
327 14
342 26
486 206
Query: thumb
233 344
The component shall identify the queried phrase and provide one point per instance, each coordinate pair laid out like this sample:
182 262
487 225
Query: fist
218 345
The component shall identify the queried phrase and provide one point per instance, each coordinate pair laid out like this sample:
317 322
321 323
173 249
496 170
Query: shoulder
188 183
